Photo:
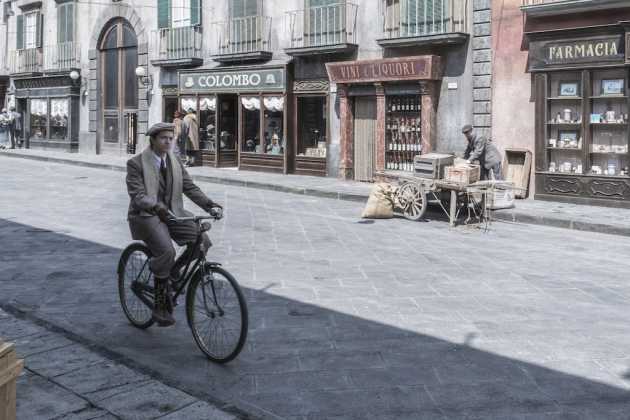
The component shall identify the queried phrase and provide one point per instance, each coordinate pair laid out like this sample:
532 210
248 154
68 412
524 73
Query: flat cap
161 126
466 128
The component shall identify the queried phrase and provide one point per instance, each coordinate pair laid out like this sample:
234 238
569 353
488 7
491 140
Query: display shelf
604 124
609 97
564 148
610 153
577 124
565 98
403 132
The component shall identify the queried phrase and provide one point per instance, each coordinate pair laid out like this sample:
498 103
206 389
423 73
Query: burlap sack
380 204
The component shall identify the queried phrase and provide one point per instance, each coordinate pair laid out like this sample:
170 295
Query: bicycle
211 293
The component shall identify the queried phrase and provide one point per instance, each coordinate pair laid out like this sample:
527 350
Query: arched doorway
118 50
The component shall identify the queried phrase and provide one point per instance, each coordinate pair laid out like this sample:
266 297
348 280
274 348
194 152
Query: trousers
159 237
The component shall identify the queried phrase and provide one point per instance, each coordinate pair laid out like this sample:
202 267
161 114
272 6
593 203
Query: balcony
560 7
177 47
62 57
323 29
242 39
411 23
28 61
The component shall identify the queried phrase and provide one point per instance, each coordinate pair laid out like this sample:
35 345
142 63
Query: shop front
50 110
388 114
580 84
241 115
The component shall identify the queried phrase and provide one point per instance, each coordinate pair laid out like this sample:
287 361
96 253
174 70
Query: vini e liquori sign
425 67
233 80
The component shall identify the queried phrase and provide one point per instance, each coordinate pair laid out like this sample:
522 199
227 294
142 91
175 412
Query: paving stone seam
125 361
89 403
503 217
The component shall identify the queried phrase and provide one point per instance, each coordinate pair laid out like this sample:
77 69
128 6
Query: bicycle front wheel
217 313
134 285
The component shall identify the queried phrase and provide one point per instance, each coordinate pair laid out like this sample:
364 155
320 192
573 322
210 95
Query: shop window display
208 123
39 118
312 126
58 119
273 126
251 124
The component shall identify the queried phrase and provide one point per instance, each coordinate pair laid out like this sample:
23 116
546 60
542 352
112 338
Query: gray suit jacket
143 184
482 149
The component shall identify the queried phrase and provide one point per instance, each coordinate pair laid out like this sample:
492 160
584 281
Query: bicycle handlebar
215 214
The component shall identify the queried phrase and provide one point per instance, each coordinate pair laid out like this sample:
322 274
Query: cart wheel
413 200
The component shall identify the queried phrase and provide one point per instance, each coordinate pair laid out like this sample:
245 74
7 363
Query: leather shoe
161 313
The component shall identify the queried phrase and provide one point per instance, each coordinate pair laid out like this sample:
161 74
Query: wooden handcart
415 194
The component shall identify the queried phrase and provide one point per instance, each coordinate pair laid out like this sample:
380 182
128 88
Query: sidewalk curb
509 215
126 361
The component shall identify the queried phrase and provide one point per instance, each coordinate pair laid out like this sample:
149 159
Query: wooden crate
431 165
10 368
462 174
516 168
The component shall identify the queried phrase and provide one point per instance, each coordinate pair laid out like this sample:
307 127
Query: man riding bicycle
156 182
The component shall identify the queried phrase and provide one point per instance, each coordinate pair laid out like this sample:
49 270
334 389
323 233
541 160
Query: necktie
163 169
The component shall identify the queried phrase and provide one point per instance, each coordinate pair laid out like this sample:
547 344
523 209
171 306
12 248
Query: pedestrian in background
4 128
15 127
192 132
180 141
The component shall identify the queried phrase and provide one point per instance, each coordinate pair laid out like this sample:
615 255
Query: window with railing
179 34
323 23
410 18
246 30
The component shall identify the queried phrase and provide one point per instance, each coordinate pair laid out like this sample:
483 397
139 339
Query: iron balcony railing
242 35
28 60
181 43
541 2
62 56
412 18
323 25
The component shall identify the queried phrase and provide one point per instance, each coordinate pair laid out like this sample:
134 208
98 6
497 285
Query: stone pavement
349 319
66 380
569 216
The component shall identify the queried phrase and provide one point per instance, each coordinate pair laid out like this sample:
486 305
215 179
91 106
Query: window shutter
70 22
39 34
61 24
195 12
164 14
20 33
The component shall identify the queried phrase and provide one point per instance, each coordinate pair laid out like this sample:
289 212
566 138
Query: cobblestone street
349 319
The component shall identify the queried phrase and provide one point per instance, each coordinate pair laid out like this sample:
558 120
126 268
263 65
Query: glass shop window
39 118
274 125
58 119
312 126
251 124
208 123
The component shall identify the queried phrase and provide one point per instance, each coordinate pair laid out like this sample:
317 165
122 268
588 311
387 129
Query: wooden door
119 85
364 138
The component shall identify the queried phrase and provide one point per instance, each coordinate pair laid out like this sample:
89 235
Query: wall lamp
75 75
147 81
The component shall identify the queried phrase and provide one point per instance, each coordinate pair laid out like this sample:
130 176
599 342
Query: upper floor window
416 17
65 23
179 13
29 30
244 8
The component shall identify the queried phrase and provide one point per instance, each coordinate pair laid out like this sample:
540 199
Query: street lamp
75 75
147 81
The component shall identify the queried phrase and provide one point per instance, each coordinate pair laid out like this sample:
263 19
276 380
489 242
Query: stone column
379 153
429 116
346 165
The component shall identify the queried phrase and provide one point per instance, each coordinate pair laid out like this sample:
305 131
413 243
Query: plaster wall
513 115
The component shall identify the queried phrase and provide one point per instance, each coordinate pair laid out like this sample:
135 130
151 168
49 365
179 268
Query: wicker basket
462 174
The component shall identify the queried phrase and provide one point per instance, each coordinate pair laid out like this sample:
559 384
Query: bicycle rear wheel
217 313
135 287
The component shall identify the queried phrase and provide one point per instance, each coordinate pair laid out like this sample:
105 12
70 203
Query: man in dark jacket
481 149
157 182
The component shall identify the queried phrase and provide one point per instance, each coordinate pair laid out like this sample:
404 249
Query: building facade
561 71
269 85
